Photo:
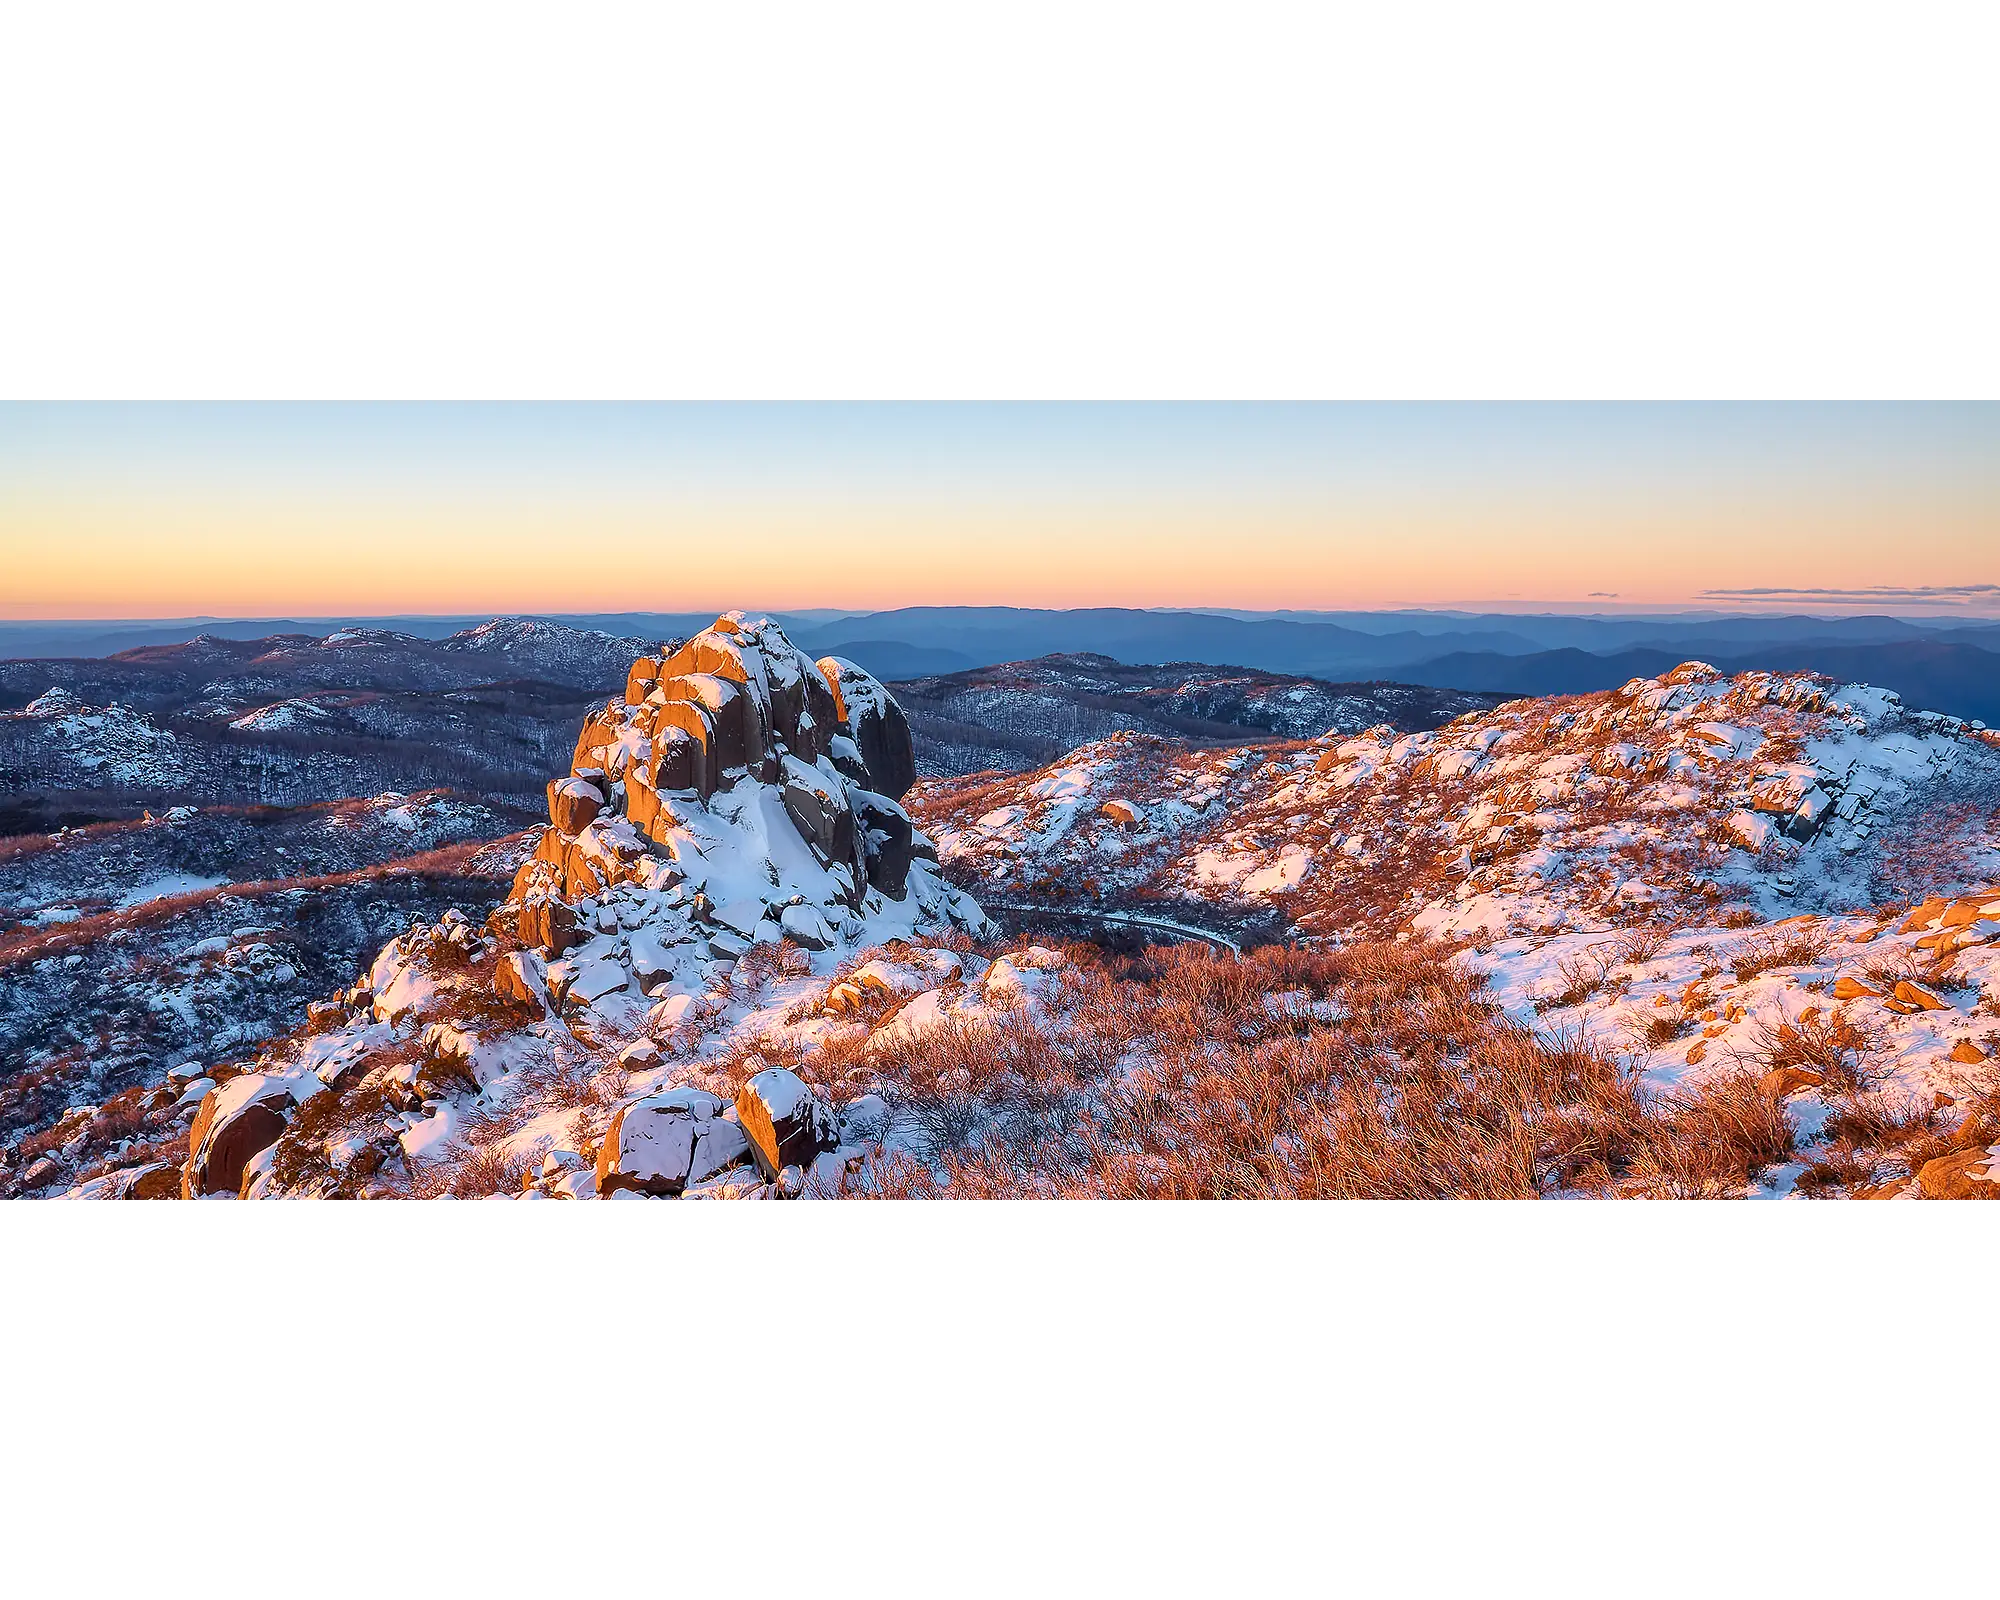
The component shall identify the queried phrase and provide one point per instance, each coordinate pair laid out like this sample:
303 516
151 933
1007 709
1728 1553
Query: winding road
1131 919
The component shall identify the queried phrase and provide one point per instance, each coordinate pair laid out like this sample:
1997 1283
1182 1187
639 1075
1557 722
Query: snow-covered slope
1691 795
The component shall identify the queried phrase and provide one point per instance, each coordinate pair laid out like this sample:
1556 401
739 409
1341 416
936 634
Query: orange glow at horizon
237 535
324 562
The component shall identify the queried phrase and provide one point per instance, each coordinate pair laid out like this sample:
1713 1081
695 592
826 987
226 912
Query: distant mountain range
1962 680
1953 668
1943 664
1025 713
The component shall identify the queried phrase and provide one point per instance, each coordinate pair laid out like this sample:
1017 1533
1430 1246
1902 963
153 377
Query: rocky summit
739 793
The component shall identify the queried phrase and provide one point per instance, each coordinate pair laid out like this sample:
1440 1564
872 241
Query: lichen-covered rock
786 1123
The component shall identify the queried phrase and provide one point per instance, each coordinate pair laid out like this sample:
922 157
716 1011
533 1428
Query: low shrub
1796 944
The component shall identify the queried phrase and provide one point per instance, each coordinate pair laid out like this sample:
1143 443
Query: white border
1718 198
1573 200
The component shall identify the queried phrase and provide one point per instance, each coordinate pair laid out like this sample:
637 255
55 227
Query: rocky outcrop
736 793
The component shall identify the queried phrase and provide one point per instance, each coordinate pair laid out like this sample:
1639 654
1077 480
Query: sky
291 510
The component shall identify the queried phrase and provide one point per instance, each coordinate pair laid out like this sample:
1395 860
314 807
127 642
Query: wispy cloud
1931 594
1601 594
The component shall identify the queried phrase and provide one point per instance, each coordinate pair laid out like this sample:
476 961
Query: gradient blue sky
167 510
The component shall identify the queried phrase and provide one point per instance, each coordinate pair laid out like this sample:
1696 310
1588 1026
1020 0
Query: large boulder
805 926
786 1123
236 1122
158 1180
872 719
573 802
663 1143
696 759
548 925
1962 1175
523 977
680 761
639 679
818 807
728 710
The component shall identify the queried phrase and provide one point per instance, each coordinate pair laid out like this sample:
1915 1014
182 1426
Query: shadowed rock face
876 725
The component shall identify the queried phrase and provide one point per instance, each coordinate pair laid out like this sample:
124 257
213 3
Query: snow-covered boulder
236 1121
786 1123
573 801
523 976
871 719
661 1144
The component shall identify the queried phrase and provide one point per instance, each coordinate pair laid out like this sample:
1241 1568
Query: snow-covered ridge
1678 795
1017 715
111 743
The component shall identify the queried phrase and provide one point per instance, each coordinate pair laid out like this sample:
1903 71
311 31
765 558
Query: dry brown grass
1422 1089
1670 1017
1844 1051
1797 944
1884 969
1938 850
1638 945
1414 1087
764 964
1710 1141
1878 1136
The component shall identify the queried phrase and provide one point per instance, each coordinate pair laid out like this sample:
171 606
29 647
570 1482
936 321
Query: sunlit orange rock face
735 704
